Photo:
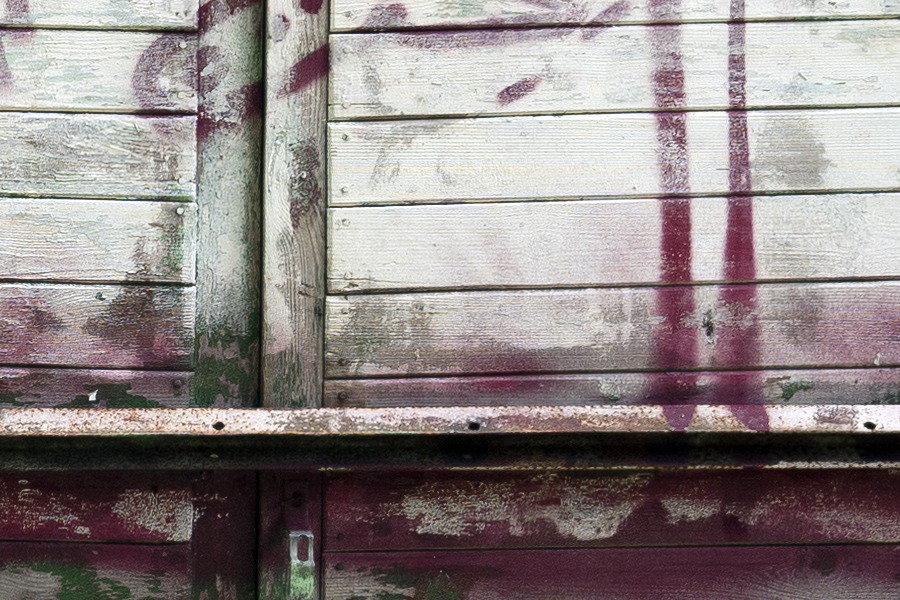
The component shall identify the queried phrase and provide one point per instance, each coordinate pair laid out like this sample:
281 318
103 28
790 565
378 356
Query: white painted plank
97 155
294 240
603 242
96 326
617 329
102 241
110 71
804 387
145 14
376 15
572 70
577 156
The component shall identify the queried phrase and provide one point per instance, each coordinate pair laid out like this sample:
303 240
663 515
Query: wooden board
614 242
809 386
788 573
40 571
113 14
83 240
297 62
571 70
427 511
104 507
557 157
229 140
374 15
623 329
96 326
109 71
114 388
96 156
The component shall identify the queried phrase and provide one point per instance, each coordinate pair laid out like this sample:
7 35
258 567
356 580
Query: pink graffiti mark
215 12
738 346
518 90
386 16
17 12
613 13
306 71
244 103
166 53
676 343
311 6
6 76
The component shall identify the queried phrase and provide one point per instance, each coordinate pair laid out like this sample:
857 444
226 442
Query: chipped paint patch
168 512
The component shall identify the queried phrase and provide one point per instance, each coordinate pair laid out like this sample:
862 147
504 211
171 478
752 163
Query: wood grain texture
97 156
229 134
614 242
294 240
573 70
621 329
115 388
789 573
97 241
375 15
96 326
606 156
103 71
809 386
101 14
107 507
428 511
40 571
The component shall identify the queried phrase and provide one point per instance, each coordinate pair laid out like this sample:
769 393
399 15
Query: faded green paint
303 582
226 366
111 395
427 584
11 398
84 583
788 389
889 398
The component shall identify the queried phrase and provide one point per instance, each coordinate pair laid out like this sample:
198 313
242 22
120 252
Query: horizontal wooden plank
101 14
373 15
96 326
118 426
427 511
107 507
102 241
808 386
577 156
96 156
73 388
604 242
593 70
618 329
41 571
109 71
787 573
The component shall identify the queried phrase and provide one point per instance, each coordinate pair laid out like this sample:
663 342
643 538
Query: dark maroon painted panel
120 507
737 573
545 510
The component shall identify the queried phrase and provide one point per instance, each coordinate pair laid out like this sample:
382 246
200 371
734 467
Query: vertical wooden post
294 228
229 132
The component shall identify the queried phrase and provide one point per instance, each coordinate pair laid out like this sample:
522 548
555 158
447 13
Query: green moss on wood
226 367
788 389
111 395
11 398
84 583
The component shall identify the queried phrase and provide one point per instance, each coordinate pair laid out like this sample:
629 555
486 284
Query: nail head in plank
97 241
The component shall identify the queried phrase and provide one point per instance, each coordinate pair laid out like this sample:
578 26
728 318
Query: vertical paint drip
675 344
738 345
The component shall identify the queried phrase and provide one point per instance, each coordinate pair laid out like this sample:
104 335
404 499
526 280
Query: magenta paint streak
386 16
739 346
306 71
518 90
147 80
311 6
676 343
18 11
611 14
245 103
6 76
